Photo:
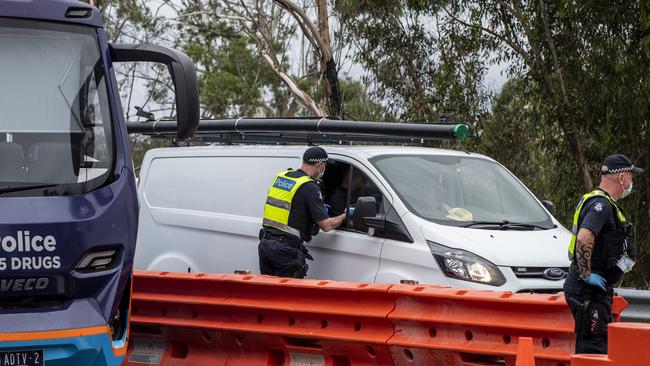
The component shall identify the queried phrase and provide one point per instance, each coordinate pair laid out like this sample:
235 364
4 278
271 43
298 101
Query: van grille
547 273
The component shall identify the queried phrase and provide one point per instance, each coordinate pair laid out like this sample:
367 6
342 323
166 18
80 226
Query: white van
434 216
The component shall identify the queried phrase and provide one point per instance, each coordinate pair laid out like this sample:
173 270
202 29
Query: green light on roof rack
461 132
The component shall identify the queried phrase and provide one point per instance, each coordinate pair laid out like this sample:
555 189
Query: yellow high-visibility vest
576 215
278 202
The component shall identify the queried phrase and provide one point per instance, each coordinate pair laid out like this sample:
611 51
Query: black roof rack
310 130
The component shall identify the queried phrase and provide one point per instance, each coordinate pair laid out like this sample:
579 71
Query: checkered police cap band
606 170
316 161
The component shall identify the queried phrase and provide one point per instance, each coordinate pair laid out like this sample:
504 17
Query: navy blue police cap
618 163
314 155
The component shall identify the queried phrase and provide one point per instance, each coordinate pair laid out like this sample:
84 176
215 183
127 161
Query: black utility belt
291 241
574 271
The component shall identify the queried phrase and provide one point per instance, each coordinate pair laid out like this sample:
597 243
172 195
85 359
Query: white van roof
365 151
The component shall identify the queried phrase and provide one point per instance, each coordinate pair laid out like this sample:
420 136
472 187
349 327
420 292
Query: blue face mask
626 192
320 174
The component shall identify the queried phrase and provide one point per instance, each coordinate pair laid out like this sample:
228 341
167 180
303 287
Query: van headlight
466 266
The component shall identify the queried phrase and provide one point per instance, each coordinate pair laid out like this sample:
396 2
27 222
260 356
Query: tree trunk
323 23
577 150
569 125
303 98
647 174
328 65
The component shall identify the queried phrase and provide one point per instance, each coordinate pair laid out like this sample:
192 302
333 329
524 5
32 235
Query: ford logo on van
554 274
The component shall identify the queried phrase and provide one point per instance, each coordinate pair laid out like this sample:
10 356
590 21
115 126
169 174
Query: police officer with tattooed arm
601 251
293 213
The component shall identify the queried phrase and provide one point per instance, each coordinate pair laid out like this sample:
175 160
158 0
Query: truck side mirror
181 68
366 208
549 206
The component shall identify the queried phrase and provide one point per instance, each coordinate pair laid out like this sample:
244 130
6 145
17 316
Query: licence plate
22 358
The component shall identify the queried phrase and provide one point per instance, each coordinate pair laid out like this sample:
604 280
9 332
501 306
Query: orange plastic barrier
525 353
627 344
257 320
432 323
195 319
479 326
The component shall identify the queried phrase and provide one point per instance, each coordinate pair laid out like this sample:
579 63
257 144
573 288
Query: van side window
342 186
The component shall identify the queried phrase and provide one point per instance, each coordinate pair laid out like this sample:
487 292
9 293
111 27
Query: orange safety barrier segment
627 345
480 326
190 319
481 323
525 354
618 305
261 320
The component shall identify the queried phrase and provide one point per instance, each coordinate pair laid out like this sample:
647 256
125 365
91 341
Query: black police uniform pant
280 259
591 308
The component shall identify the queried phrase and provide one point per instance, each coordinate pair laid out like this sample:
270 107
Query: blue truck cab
68 203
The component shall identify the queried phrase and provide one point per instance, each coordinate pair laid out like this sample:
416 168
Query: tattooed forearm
584 249
584 258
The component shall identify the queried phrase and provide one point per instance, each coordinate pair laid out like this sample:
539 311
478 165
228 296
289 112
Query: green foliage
358 105
416 70
233 79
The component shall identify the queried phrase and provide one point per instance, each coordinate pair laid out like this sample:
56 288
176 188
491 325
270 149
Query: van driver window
343 182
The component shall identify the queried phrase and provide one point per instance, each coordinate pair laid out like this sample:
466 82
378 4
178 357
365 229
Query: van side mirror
388 226
183 73
549 206
366 208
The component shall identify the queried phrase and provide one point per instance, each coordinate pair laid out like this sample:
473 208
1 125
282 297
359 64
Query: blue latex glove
596 280
350 212
328 208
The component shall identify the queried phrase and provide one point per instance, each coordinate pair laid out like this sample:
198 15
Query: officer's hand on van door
596 280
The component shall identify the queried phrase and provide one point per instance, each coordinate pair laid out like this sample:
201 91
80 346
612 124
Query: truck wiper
505 225
9 189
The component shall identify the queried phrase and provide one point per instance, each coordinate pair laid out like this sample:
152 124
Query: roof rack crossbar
309 139
323 128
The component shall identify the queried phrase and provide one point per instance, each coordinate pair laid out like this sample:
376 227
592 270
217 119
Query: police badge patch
598 207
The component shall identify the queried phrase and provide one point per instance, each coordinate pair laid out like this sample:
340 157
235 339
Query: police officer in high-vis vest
293 213
601 251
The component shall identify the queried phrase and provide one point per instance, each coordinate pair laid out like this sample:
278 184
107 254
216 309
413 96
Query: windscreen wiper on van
506 225
9 189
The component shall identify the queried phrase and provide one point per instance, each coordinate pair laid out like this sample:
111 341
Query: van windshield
462 191
55 123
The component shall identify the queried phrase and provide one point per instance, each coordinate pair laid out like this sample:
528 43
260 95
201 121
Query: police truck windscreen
462 191
55 123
